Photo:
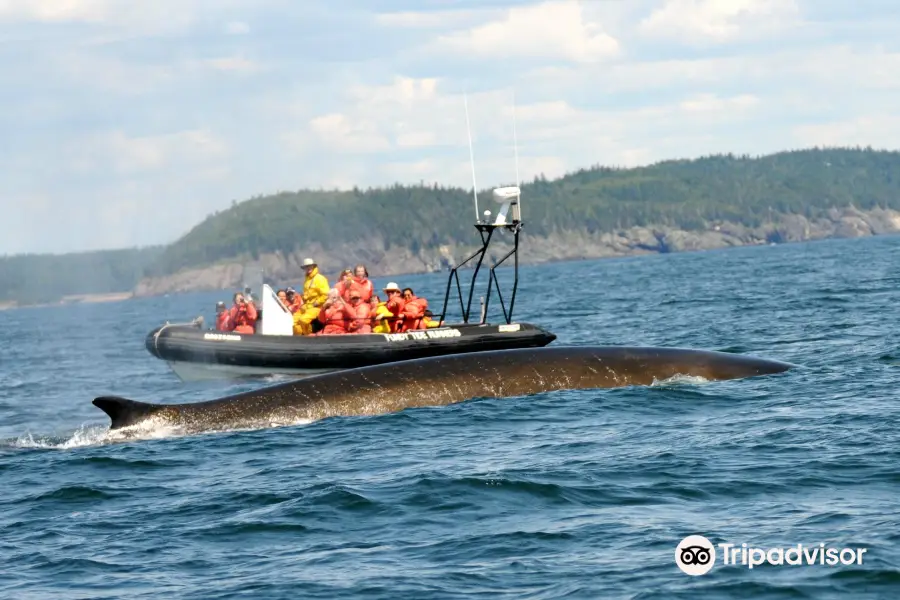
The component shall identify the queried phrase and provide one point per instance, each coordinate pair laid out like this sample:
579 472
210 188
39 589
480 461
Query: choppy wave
577 494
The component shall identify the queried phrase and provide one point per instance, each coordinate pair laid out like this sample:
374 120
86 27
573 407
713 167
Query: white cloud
141 154
433 20
116 20
95 11
231 63
700 21
405 113
556 29
378 118
106 73
146 17
871 68
348 134
561 125
415 139
410 171
553 136
177 110
237 28
876 130
707 103
545 111
812 74
402 91
110 74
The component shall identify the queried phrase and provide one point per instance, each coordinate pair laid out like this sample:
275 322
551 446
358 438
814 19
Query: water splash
679 380
94 435
149 429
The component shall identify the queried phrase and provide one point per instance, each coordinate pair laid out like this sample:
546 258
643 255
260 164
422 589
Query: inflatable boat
194 353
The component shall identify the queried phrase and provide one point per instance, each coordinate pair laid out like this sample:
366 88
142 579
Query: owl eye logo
695 555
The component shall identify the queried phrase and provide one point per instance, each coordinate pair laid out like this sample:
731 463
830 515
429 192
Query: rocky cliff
381 260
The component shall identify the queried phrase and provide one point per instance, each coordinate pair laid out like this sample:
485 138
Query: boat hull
194 353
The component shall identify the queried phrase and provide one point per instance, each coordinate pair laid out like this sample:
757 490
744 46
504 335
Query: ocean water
575 494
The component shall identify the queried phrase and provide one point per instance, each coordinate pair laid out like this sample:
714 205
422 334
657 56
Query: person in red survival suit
358 282
295 300
332 314
223 318
413 310
243 315
358 314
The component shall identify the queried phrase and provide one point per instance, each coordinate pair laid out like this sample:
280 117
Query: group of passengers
351 306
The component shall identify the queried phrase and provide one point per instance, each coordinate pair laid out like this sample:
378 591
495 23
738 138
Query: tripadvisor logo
696 555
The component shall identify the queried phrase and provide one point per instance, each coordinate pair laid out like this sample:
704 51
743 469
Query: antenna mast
471 158
508 219
516 150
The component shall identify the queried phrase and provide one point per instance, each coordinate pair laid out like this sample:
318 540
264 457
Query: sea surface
574 494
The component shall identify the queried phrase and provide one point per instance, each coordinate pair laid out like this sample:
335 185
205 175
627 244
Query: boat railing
508 219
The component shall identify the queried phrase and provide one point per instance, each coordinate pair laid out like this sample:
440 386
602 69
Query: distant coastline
706 203
597 253
536 249
73 299
638 242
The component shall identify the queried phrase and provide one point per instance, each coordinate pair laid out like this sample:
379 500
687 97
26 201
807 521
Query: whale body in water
438 381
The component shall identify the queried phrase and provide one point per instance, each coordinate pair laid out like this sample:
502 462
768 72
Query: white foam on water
83 436
153 428
156 428
96 435
679 380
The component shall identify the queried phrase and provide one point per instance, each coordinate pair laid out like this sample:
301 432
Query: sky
126 123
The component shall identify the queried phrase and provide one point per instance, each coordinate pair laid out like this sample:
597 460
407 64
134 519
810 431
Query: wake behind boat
194 353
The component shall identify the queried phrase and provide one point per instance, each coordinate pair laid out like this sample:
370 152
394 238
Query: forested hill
710 202
690 195
48 278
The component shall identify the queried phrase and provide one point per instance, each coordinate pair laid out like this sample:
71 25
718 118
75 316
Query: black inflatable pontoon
195 353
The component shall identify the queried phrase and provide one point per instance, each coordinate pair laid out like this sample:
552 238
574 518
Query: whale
438 381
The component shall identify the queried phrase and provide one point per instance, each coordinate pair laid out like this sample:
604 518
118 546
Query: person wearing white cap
315 291
391 309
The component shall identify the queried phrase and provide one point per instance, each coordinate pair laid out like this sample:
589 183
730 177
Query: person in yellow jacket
315 291
429 322
381 315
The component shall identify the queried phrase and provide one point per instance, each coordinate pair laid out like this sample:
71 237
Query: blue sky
126 123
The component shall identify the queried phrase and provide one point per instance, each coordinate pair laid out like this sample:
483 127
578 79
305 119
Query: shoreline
76 299
73 299
536 248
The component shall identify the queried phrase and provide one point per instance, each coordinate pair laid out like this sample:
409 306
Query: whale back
444 380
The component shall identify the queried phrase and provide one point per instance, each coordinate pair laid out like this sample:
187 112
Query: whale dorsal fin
124 412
